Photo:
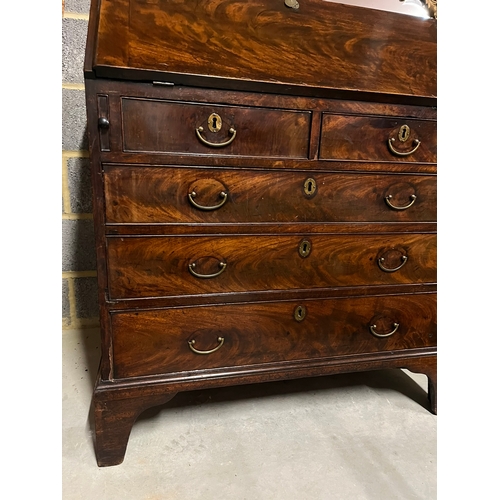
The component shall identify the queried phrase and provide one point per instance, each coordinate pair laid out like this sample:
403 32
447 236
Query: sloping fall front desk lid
319 48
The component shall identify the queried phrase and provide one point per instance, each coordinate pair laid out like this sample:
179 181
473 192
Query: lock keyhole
300 313
214 122
404 133
309 187
305 248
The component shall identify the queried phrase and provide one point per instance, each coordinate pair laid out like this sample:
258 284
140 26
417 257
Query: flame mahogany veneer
264 185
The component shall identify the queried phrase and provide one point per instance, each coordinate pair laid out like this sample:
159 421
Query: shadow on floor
388 379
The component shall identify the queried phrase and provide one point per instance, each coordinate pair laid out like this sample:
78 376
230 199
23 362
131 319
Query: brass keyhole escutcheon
300 313
305 248
310 187
214 122
404 133
294 4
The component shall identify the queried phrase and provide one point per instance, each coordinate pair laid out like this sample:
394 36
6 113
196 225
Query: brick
74 120
78 251
74 36
80 187
77 6
65 300
86 297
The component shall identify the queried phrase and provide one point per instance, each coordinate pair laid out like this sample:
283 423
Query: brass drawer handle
404 258
232 131
381 335
191 267
192 195
192 342
403 153
413 197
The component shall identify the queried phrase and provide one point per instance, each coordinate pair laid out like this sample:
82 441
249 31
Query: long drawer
140 194
156 266
351 137
185 339
157 126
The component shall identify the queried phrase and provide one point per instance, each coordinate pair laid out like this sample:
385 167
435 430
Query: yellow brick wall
79 277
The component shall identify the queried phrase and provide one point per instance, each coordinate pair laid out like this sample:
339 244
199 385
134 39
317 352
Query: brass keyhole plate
300 313
404 133
310 187
214 122
305 248
294 4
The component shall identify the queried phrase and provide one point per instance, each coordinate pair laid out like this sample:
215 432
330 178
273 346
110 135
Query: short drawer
155 126
162 266
378 139
194 338
140 194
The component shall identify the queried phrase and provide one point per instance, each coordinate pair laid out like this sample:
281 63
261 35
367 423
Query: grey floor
353 437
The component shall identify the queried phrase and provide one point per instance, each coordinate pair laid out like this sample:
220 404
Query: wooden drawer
156 126
190 265
165 195
378 139
156 342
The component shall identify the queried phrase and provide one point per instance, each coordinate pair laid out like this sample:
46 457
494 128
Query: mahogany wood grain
91 96
246 228
312 93
366 138
315 134
138 304
160 126
223 42
182 93
114 418
115 120
103 114
160 195
154 342
159 266
223 161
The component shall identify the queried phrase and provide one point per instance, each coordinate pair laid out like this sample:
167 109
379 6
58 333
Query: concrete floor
348 437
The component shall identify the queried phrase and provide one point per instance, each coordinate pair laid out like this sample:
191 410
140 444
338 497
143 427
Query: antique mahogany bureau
264 178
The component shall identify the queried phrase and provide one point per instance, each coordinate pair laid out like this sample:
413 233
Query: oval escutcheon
404 133
305 247
310 187
293 4
214 122
300 313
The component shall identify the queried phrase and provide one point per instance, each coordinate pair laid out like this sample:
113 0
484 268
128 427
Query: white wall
410 7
